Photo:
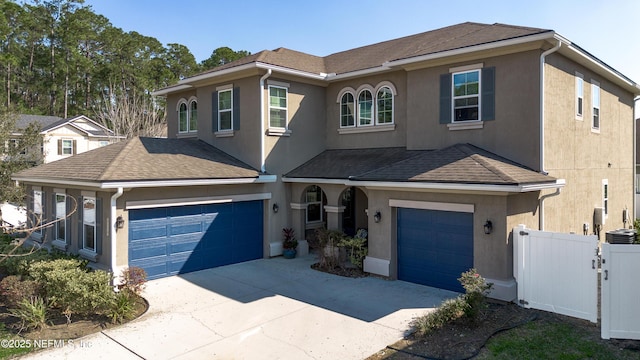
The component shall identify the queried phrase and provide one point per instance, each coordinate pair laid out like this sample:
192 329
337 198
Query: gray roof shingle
145 159
460 164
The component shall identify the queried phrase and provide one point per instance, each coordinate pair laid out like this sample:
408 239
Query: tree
132 116
221 56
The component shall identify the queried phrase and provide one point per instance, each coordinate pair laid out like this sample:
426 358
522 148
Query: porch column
298 225
334 217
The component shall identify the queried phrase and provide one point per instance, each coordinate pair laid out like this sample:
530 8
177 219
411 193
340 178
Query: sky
606 29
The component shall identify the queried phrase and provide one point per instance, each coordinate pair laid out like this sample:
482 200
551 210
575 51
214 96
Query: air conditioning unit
598 216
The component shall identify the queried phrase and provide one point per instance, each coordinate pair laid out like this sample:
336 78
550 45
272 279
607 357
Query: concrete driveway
263 309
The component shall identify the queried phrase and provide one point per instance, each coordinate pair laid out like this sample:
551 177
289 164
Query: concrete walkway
263 309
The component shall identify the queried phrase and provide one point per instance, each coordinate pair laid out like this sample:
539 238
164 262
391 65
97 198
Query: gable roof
143 162
396 53
49 123
43 120
461 164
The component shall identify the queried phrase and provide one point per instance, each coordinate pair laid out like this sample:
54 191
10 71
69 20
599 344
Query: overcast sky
606 29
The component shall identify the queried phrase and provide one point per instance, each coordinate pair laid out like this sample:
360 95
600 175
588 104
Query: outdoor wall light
377 217
119 222
488 227
275 208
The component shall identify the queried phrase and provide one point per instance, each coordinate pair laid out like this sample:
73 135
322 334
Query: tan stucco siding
583 157
394 138
514 132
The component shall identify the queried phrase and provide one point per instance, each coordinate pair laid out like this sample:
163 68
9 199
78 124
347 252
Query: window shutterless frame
595 105
465 95
89 223
579 96
61 217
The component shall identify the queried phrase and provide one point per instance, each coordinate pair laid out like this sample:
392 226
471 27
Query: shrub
24 257
325 241
447 312
69 286
32 313
356 247
123 307
476 291
289 239
13 290
133 280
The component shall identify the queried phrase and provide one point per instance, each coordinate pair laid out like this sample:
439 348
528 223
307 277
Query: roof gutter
263 165
151 183
411 185
542 99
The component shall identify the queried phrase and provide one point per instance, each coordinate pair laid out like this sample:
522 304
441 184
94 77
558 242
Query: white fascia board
284 70
171 89
433 186
63 182
364 72
150 204
470 49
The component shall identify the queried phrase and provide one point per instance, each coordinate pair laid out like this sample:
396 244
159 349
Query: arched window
183 118
193 116
384 106
347 110
365 108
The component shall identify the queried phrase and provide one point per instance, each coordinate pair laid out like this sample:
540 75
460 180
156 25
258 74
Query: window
605 196
89 223
384 106
595 99
346 110
466 96
225 110
579 95
38 207
188 116
314 204
67 147
365 108
61 215
277 107
104 143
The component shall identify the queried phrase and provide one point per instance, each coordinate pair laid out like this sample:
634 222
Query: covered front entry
434 247
179 239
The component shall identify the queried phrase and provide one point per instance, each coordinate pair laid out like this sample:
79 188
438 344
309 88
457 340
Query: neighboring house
65 137
438 143
637 161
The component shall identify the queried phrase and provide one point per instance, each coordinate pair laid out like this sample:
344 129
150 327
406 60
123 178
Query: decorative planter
289 253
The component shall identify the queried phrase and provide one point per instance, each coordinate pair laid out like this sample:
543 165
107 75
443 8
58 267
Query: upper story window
67 147
467 97
579 95
374 110
595 100
277 106
347 118
225 110
365 108
188 116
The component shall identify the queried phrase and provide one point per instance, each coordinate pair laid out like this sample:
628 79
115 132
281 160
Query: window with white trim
605 196
384 106
67 147
579 95
314 201
466 96
277 107
89 223
365 108
595 101
38 207
225 110
347 110
188 116
61 215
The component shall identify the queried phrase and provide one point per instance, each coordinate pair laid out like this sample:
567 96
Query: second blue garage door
173 240
434 247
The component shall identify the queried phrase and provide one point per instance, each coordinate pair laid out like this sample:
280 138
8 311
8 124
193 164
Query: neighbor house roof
43 120
148 160
48 123
458 164
383 56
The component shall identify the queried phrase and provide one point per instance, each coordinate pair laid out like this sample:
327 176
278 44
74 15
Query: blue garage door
434 247
175 240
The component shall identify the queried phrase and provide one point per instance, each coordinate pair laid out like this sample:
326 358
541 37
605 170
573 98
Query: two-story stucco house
438 143
62 138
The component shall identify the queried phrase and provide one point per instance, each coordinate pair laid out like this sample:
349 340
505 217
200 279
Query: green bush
69 286
32 313
476 291
23 257
14 289
447 312
123 307
356 249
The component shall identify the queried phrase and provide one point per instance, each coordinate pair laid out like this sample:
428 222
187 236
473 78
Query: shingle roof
447 38
145 159
45 121
460 164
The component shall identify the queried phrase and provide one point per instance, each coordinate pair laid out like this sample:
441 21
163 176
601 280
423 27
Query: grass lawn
7 348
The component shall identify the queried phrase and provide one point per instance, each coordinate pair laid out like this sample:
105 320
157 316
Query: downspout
262 129
113 229
542 168
635 158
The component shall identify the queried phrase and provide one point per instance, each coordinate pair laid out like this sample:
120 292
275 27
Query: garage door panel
434 247
190 238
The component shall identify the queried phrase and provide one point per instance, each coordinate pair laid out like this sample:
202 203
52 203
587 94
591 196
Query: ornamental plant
289 239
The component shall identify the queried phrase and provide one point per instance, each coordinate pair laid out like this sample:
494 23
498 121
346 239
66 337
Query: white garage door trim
150 204
430 205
